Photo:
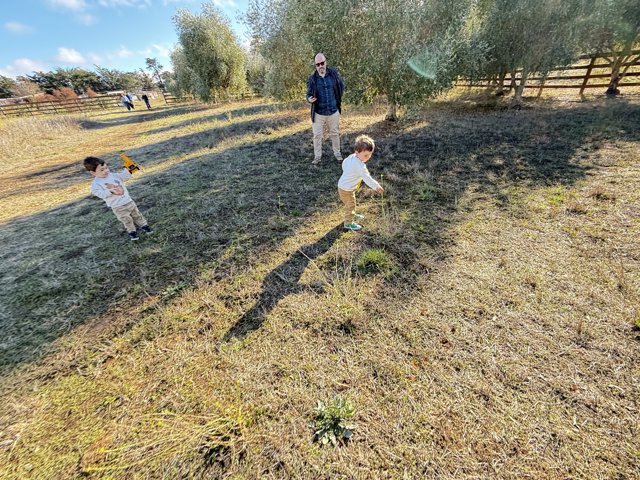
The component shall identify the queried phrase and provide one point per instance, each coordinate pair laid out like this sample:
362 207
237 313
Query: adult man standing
324 93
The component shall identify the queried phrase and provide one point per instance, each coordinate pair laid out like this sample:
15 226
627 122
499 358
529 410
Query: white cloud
86 18
169 2
17 27
70 55
73 5
155 50
125 3
122 52
23 66
94 58
77 7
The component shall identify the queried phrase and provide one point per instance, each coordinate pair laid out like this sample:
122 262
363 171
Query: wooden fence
100 102
76 105
596 67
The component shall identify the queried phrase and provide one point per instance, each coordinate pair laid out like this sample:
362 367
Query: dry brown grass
499 343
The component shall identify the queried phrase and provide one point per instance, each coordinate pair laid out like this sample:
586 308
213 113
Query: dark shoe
133 236
147 230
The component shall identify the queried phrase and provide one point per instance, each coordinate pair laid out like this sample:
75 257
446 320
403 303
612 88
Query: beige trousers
349 200
130 216
333 124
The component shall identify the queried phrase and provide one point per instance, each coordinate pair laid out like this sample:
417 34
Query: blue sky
46 34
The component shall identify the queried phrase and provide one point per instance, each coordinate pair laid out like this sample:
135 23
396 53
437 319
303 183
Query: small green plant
333 421
374 260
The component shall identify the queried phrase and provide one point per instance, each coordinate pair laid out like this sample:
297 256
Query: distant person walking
324 92
130 98
125 101
146 101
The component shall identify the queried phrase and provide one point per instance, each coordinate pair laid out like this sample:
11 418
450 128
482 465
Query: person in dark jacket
324 92
145 98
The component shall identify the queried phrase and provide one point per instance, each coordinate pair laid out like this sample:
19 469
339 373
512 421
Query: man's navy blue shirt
326 104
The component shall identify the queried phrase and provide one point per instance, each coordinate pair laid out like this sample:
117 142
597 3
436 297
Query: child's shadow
280 282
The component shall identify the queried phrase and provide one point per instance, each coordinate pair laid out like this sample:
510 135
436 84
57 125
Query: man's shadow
280 282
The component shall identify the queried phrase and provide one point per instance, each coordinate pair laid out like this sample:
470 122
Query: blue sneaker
147 230
353 226
358 217
134 236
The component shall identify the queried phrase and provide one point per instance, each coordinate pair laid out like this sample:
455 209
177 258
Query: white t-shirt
100 188
353 172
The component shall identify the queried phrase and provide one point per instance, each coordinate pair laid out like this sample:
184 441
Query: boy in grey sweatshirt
110 187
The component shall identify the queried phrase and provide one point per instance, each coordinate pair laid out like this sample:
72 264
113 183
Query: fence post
586 76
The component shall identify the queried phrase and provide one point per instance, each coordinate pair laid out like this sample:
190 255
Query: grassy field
481 326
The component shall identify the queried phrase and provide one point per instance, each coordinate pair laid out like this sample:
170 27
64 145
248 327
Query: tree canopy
211 52
409 50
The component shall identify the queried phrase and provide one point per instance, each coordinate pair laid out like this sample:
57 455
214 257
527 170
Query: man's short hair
92 163
364 143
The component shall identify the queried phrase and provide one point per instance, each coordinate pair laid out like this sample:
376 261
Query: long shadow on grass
72 173
62 268
429 170
227 115
69 264
140 116
280 282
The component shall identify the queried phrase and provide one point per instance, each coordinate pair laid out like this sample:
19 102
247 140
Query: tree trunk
391 109
616 64
612 89
513 80
520 87
500 85
391 113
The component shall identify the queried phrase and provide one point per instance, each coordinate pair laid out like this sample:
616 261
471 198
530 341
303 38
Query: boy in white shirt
354 171
110 187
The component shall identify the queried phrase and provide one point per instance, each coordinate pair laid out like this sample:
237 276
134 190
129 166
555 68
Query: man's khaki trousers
333 124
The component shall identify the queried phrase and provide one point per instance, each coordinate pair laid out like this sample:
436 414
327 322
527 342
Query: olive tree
281 40
613 29
527 37
211 51
370 41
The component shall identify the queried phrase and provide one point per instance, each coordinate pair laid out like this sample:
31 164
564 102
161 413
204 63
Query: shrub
374 260
332 421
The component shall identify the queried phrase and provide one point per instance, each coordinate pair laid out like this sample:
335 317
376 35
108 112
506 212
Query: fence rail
73 105
100 102
628 77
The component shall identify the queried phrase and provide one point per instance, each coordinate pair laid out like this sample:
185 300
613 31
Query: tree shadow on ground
431 164
75 263
279 283
227 115
78 263
72 172
139 116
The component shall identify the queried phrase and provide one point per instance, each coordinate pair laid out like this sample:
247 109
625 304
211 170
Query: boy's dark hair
91 163
364 143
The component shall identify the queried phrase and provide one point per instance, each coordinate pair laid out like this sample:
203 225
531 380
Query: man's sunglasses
319 64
